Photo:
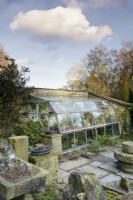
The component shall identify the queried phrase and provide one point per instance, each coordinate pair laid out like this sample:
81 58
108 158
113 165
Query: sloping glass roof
76 113
77 106
87 106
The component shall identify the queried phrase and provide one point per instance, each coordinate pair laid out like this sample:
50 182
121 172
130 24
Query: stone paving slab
73 170
92 169
102 159
96 163
63 176
118 145
71 164
110 178
125 175
107 153
110 166
113 148
62 173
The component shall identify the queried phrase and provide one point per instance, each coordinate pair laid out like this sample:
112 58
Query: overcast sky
50 36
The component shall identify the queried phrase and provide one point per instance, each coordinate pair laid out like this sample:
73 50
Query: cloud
105 3
22 61
59 22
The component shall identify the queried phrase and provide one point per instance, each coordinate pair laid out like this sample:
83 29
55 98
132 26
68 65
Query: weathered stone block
80 183
125 167
48 162
123 157
127 147
20 145
126 184
55 139
10 189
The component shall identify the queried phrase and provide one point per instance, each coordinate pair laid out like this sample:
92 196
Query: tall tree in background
124 70
13 93
77 77
107 72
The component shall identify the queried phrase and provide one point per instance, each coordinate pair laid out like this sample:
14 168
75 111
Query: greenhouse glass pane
105 103
52 124
80 138
58 107
86 106
88 119
64 122
116 129
44 120
91 106
32 116
107 116
81 105
98 117
77 121
113 115
43 108
109 133
102 105
71 106
32 108
68 141
100 131
91 135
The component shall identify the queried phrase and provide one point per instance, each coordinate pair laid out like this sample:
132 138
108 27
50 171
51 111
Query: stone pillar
20 145
55 139
48 162
57 143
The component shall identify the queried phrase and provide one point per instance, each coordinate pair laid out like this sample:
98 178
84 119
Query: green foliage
126 120
105 71
30 129
125 87
50 194
112 195
95 146
13 94
110 142
130 96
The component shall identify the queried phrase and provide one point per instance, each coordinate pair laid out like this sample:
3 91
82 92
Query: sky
51 36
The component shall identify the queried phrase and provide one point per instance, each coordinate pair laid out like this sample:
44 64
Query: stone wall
48 162
57 92
55 139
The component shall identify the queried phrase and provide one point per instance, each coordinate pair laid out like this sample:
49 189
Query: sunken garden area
68 146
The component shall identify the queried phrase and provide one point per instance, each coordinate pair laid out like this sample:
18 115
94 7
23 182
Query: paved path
103 165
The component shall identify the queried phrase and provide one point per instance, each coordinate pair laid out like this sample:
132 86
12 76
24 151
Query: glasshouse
78 119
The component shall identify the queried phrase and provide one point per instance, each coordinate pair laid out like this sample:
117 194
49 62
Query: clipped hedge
30 129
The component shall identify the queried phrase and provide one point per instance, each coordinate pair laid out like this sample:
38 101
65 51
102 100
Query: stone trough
17 177
125 157
11 189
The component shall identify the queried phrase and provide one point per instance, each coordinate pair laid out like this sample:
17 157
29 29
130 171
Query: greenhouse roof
77 113
74 104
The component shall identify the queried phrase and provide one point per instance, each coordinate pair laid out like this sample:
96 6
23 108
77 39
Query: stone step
125 167
123 157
